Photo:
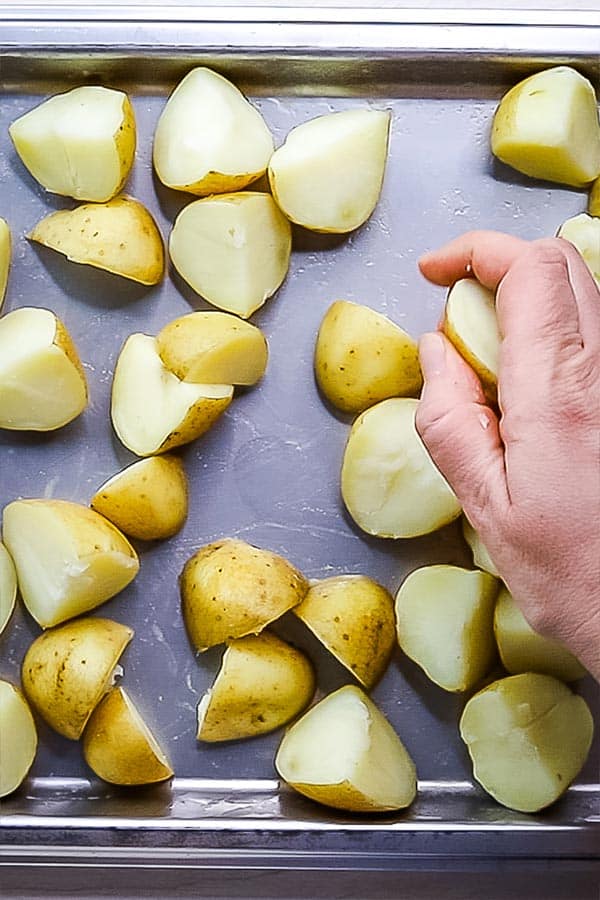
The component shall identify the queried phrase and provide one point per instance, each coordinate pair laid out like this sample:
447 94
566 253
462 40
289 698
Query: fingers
587 296
488 255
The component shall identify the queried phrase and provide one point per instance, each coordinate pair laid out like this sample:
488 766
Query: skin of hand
528 479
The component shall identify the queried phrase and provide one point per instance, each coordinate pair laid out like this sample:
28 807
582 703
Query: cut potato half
470 323
8 587
583 232
594 199
18 738
5 251
481 556
390 486
344 753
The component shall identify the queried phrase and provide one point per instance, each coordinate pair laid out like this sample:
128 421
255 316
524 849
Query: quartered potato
547 126
528 737
353 617
5 248
344 753
8 587
67 670
119 236
481 556
152 410
230 589
328 174
79 144
445 620
69 559
42 381
18 738
390 486
362 357
262 684
470 324
594 199
583 232
209 139
232 249
118 745
213 348
147 500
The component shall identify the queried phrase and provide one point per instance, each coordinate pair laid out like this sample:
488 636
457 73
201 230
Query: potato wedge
148 500
262 684
68 669
209 139
119 236
481 556
152 410
328 174
470 324
5 252
8 587
18 738
213 348
230 589
362 357
528 737
583 232
68 558
390 486
594 199
42 382
79 144
344 753
547 126
353 617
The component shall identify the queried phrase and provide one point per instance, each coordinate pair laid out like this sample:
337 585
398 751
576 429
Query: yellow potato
67 670
583 232
5 249
18 738
481 556
470 324
594 199
8 587
230 589
353 617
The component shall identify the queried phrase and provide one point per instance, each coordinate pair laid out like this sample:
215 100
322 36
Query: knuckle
548 252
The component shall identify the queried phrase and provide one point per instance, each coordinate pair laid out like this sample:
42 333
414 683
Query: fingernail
432 353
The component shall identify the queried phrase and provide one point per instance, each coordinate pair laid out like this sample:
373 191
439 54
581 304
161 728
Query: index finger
487 255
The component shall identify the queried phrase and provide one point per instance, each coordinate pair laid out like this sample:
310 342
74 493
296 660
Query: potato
119 236
42 381
594 199
445 620
5 250
390 486
67 670
547 126
213 348
79 144
528 737
328 174
470 323
147 500
152 410
583 232
209 139
481 556
262 684
362 357
18 738
8 587
353 617
344 753
233 249
524 650
230 589
69 559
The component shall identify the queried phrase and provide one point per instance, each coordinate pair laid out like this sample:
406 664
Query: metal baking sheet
268 471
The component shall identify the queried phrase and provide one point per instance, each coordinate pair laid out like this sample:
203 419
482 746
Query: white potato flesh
209 138
233 249
8 586
470 323
481 556
389 483
152 410
5 248
42 382
329 173
79 144
18 738
583 232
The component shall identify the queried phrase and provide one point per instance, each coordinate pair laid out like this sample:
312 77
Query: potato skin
594 199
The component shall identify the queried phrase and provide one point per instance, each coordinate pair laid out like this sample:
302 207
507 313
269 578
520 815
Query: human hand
528 481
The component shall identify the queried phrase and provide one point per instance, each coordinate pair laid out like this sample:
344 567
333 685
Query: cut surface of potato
69 559
118 745
232 249
152 410
79 144
445 620
583 232
5 248
147 500
213 348
524 650
209 139
528 737
262 684
230 589
353 617
42 382
362 357
119 236
547 126
8 587
18 738
328 174
481 556
344 753
594 199
390 486
470 323
68 669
